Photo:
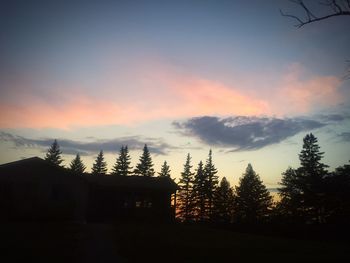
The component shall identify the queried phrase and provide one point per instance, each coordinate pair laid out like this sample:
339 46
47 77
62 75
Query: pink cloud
160 92
298 94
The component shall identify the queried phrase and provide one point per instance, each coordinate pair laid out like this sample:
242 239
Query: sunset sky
182 76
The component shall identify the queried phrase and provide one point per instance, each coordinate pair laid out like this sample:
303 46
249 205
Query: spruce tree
145 165
252 200
223 202
77 166
211 181
53 154
305 190
122 166
165 170
185 202
200 193
100 166
291 194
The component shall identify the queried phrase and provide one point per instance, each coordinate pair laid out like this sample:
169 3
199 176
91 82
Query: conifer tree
305 188
145 165
223 202
291 193
211 181
185 200
53 154
77 166
252 201
122 165
165 170
100 166
200 193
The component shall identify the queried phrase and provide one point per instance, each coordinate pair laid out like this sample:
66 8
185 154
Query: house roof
36 169
135 182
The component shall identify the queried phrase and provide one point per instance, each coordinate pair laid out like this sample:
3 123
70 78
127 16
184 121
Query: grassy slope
153 243
202 244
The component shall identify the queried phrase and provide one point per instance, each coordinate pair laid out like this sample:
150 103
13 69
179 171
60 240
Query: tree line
309 194
121 167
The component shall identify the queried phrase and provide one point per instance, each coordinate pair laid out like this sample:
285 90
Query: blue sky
182 76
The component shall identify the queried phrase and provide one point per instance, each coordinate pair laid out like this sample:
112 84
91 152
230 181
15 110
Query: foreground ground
52 242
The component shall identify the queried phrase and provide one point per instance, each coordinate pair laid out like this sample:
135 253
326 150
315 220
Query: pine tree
100 166
338 195
77 166
310 158
305 190
252 200
200 193
165 170
122 165
290 205
223 202
211 181
145 165
185 202
53 154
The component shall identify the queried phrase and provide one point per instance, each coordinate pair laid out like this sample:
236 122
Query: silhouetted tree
310 178
100 166
223 202
165 170
303 189
145 165
185 202
200 193
338 195
122 166
77 166
252 201
290 205
211 181
53 154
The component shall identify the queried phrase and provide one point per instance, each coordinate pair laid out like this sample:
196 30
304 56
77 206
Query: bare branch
338 10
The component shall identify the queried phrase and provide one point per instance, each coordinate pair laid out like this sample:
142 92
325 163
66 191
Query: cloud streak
156 91
155 145
243 133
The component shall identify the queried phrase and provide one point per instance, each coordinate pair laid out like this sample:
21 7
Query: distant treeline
309 194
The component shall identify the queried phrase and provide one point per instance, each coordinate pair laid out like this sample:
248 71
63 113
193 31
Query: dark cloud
344 136
155 145
245 133
338 117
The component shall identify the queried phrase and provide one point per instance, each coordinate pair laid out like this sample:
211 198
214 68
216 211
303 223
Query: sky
182 76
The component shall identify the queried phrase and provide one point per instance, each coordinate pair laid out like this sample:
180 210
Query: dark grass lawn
53 242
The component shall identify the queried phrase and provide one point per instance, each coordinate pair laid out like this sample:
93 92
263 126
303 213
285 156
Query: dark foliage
223 202
252 201
53 154
165 170
77 166
145 165
122 166
211 182
199 194
100 166
303 190
185 200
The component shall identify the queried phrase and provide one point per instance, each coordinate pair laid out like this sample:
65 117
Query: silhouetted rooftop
135 182
35 168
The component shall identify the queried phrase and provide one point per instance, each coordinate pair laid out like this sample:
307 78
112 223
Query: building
33 189
131 198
